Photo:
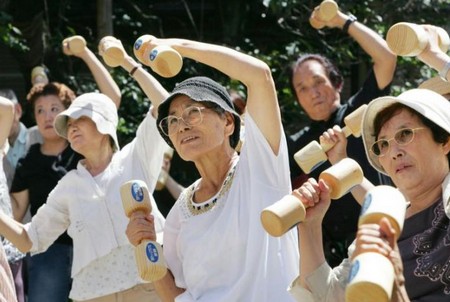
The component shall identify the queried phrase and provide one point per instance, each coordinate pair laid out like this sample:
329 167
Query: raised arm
262 103
384 60
102 77
6 120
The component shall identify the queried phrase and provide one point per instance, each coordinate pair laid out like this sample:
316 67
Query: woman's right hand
140 227
315 196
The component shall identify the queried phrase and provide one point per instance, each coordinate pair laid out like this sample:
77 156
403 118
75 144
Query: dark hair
440 135
332 72
64 93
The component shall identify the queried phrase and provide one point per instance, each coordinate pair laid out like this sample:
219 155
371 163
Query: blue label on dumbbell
153 54
353 271
152 252
317 165
137 192
138 44
366 203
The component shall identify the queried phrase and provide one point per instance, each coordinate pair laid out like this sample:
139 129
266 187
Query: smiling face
419 165
315 92
46 108
211 134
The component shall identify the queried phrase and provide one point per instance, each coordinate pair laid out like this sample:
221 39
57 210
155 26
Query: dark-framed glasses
191 116
402 137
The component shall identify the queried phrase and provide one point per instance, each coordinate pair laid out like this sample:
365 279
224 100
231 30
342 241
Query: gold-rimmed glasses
402 137
191 116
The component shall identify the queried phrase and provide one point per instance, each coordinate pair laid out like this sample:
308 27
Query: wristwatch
349 21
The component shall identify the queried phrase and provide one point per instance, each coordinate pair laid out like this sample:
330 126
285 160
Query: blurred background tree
276 31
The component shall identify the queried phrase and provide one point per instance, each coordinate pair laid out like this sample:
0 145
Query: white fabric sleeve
325 284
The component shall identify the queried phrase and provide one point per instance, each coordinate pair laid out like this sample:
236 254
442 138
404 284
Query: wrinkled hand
140 227
315 196
335 137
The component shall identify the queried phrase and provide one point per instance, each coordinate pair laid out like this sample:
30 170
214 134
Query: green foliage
276 31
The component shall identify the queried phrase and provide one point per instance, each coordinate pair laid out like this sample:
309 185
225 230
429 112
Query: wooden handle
326 11
163 59
314 154
111 50
278 218
149 256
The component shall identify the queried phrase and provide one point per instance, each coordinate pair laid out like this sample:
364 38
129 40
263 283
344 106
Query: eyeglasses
402 137
191 116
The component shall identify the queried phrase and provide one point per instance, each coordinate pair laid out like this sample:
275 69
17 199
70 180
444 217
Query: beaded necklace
197 209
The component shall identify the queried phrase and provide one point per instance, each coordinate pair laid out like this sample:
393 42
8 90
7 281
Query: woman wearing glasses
214 244
407 138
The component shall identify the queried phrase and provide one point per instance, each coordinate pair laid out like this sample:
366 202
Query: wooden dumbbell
372 275
409 39
38 76
163 59
286 213
74 44
326 11
162 178
149 254
314 154
111 49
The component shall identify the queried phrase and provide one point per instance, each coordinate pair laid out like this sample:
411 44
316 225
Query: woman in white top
87 203
214 243
7 291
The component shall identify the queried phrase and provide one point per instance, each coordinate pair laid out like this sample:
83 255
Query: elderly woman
214 244
408 138
7 291
86 201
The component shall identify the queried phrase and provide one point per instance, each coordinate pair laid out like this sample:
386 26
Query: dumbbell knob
150 260
409 39
163 59
327 10
135 197
75 44
111 50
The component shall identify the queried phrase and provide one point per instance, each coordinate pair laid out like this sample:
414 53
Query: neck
213 173
54 147
97 162
422 200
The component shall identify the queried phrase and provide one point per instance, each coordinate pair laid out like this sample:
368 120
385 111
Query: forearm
173 187
435 59
15 232
102 77
384 60
151 87
17 210
167 289
311 251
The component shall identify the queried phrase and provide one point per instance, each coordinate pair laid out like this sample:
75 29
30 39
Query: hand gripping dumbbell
286 213
409 39
149 254
314 154
73 45
371 277
111 50
326 11
163 59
